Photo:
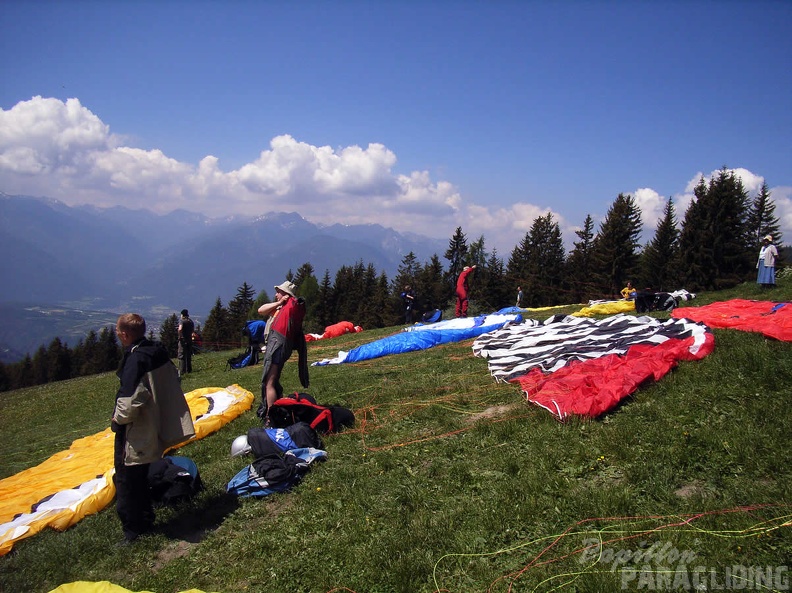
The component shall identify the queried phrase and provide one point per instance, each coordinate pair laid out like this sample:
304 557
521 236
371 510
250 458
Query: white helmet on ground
240 446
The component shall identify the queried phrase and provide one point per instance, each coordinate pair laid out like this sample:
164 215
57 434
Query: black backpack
173 479
301 407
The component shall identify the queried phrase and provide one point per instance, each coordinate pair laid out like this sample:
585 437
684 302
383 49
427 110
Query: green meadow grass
451 482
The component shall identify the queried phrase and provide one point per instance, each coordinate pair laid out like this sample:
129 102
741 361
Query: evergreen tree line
97 353
715 247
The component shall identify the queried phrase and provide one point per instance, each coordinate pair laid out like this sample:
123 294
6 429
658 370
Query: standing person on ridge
765 275
462 291
284 335
185 351
408 296
150 416
519 296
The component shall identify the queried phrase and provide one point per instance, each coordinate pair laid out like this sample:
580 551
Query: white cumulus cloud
651 204
63 150
60 149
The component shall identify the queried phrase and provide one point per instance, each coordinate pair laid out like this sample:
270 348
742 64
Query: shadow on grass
192 523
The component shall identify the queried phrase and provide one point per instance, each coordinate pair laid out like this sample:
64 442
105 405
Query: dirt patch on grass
693 489
492 412
173 551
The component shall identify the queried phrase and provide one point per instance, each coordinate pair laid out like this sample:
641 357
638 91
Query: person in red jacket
462 291
282 337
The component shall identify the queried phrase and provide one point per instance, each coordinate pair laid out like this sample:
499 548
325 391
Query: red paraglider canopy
772 319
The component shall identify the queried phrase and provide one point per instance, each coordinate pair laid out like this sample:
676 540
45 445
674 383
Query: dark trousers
185 358
255 352
133 499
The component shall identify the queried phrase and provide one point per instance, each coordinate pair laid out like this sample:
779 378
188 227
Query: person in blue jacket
255 330
408 296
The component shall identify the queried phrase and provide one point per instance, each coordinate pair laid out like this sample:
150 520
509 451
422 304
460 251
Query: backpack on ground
240 360
301 407
174 479
646 301
432 316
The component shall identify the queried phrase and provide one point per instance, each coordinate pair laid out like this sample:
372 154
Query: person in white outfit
765 275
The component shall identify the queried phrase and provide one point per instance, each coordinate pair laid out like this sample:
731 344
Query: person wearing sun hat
765 275
284 334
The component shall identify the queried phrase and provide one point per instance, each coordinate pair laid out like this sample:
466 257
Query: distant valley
23 328
67 270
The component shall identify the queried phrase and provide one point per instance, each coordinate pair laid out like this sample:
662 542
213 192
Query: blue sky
421 116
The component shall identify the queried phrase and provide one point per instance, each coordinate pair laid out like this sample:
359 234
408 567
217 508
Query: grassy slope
449 481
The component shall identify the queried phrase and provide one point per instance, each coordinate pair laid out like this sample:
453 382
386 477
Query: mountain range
66 266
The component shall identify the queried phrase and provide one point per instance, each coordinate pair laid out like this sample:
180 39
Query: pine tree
477 256
715 240
90 355
261 299
304 272
366 313
40 366
431 289
381 318
169 335
406 275
308 289
615 252
517 270
78 359
546 262
580 265
216 328
457 256
495 288
23 375
108 350
58 361
695 256
237 313
537 263
324 305
5 378
762 220
659 258
347 292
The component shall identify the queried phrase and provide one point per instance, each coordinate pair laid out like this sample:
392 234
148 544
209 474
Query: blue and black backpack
174 479
240 360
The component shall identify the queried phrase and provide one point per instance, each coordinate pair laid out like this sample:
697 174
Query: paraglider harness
240 360
646 300
301 407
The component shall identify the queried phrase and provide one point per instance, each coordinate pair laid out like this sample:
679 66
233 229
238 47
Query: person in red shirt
462 291
283 335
